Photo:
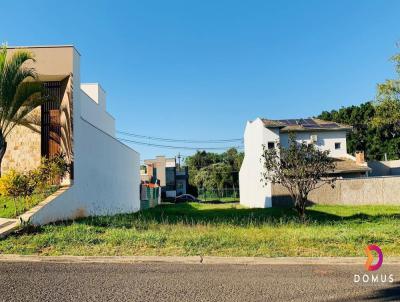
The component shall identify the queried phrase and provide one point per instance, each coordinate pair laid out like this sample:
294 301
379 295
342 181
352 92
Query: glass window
337 146
170 177
271 145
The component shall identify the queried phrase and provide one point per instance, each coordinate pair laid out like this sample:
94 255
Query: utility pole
179 160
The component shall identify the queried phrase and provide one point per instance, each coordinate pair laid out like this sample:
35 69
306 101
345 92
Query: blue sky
201 69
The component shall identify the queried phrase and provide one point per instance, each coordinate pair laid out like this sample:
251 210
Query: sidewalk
197 260
7 226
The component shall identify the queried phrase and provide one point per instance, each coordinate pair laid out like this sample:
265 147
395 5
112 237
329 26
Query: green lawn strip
7 206
218 199
220 230
23 204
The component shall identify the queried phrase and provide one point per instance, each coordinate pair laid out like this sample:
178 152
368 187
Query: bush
49 173
16 184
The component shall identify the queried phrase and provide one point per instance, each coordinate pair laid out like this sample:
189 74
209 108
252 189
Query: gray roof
307 124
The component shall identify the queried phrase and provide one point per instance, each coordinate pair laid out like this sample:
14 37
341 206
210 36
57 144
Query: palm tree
20 92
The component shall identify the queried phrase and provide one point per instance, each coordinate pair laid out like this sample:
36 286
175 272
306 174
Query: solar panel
311 126
310 121
331 125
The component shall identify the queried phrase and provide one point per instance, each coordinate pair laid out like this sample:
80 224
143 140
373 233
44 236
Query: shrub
50 172
39 180
16 184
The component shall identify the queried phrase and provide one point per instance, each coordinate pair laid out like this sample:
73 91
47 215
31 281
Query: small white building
324 134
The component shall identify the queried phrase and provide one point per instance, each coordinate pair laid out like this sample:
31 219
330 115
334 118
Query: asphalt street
41 281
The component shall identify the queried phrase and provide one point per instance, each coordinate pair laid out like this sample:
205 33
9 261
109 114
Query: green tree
388 104
376 125
215 171
20 92
300 168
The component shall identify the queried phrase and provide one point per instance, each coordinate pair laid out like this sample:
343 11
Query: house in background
172 178
105 176
324 135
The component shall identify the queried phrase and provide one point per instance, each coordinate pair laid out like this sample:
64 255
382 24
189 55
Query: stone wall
23 147
355 191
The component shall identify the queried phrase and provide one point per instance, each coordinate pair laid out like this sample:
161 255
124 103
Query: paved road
189 282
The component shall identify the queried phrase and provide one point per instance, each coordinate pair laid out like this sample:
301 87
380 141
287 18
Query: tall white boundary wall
107 179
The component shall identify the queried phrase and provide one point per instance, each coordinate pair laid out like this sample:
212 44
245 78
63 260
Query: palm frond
20 92
23 97
34 101
3 56
12 76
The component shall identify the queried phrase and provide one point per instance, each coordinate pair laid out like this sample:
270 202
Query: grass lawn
22 204
218 229
7 206
219 199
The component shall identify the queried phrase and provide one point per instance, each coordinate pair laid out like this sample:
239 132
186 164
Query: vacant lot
218 229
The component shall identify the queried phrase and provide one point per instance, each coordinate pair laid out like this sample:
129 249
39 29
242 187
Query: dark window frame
271 145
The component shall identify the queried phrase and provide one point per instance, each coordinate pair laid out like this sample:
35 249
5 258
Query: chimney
360 158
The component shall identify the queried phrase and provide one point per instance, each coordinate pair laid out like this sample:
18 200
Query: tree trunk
15 207
301 207
3 148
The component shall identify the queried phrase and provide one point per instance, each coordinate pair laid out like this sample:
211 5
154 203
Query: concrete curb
196 260
9 228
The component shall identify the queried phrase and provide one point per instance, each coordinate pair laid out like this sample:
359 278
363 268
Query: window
271 145
337 146
170 178
313 138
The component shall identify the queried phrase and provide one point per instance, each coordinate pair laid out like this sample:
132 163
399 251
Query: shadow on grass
190 214
217 201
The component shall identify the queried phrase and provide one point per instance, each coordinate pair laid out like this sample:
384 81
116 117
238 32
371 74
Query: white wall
106 180
106 172
96 93
96 114
326 141
253 192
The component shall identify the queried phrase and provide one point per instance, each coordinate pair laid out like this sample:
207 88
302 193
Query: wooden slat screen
50 120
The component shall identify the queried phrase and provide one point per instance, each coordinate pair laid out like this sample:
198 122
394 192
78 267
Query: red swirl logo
368 264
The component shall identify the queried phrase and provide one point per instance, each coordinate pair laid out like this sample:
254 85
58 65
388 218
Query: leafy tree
388 104
20 92
215 171
376 125
300 168
216 176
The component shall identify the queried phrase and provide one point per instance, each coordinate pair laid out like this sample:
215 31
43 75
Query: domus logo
368 264
373 252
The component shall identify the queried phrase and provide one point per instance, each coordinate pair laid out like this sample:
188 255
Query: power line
178 147
209 141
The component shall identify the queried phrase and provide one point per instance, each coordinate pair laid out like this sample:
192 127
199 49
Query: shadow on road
386 294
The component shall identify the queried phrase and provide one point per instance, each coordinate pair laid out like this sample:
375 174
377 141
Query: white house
105 177
325 135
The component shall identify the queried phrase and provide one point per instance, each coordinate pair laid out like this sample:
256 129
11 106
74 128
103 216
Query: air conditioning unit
313 138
